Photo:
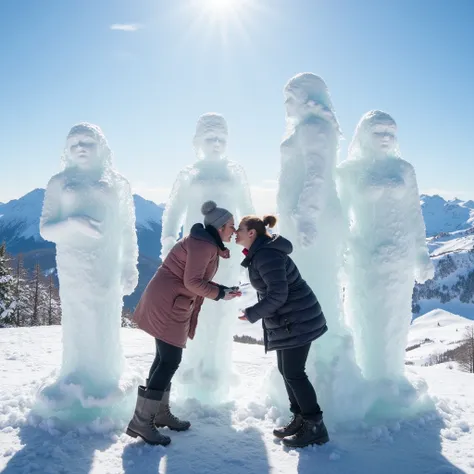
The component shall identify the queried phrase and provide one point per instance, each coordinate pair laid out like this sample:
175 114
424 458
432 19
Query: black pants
164 366
291 364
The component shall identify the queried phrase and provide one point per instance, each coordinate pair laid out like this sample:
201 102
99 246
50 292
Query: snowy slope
436 332
234 438
446 216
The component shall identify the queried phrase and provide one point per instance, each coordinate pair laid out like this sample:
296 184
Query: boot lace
170 415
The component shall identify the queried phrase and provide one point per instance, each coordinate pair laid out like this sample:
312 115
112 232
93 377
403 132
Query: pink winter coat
170 305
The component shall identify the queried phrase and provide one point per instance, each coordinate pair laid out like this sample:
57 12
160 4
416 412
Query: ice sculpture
311 217
205 372
386 246
88 212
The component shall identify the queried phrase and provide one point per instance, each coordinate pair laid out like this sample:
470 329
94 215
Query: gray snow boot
164 417
290 429
142 425
311 432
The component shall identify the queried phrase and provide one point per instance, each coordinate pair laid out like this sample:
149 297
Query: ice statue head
210 139
87 149
218 218
251 227
306 94
375 136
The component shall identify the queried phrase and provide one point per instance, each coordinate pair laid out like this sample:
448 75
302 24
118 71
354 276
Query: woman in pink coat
168 310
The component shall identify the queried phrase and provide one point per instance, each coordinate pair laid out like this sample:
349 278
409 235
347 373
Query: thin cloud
130 27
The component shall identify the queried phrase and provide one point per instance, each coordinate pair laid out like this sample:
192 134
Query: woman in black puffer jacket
291 318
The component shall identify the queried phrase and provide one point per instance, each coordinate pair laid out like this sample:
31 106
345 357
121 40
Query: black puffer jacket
290 312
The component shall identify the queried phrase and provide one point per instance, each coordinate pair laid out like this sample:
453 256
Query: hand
224 253
242 317
230 294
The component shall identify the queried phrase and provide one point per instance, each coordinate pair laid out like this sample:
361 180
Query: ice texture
310 216
206 368
88 213
386 246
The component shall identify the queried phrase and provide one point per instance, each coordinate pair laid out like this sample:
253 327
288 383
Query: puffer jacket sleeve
199 257
271 265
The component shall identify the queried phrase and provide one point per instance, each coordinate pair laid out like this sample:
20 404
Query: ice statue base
74 402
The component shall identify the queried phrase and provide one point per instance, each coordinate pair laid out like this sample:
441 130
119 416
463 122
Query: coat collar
249 253
208 234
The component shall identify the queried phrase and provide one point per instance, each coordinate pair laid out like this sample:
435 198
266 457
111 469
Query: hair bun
208 207
269 221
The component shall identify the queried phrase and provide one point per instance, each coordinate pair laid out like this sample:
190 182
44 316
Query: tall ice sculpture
88 212
205 372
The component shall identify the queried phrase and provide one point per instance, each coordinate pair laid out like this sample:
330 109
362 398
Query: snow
233 437
88 212
206 366
386 246
437 331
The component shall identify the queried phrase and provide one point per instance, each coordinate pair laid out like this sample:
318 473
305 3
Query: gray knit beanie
213 215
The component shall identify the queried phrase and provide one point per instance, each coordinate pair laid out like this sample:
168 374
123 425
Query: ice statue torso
210 180
376 191
295 151
83 196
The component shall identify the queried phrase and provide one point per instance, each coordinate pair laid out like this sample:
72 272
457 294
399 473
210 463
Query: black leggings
291 364
164 366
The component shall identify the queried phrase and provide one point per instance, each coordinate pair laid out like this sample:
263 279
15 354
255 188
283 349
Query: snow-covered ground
437 331
233 438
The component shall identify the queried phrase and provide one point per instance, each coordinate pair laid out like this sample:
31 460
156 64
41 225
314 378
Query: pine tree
53 303
23 294
7 289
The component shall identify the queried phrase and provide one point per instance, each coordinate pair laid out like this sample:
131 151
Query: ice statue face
83 149
227 231
213 145
292 106
382 137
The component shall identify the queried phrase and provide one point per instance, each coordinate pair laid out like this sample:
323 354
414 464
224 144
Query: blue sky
63 63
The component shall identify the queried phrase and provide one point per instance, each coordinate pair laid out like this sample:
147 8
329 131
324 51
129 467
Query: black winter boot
164 417
142 423
311 432
290 429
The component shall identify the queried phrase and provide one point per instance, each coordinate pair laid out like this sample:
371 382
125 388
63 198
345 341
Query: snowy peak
441 215
22 215
147 212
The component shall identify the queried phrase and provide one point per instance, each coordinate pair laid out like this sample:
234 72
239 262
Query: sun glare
231 19
222 7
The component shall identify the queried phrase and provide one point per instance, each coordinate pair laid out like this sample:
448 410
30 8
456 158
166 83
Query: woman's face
244 236
227 231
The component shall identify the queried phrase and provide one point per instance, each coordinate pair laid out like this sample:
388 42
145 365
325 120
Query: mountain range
449 231
19 229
